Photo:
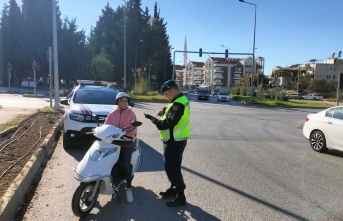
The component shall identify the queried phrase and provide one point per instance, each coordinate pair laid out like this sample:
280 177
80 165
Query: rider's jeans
125 155
123 165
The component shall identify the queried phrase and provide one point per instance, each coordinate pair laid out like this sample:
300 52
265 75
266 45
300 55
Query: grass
279 103
246 100
33 95
149 98
13 123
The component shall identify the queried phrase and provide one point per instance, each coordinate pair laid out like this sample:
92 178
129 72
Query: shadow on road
249 196
154 209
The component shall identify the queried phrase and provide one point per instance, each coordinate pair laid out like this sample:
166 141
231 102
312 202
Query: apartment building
194 73
329 70
215 72
179 73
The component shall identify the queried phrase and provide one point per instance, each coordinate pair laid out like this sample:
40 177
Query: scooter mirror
136 123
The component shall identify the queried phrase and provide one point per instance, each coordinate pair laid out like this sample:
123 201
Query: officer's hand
159 113
148 116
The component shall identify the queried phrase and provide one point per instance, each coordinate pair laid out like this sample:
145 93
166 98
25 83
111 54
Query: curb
16 192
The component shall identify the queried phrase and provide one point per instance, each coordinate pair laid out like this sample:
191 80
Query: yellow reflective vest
182 129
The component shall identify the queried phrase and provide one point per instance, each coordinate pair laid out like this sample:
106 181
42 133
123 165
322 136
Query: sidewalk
23 90
13 103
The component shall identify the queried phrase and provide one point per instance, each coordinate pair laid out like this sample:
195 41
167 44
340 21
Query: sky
287 31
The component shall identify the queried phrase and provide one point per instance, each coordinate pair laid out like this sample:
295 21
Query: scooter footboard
135 157
106 186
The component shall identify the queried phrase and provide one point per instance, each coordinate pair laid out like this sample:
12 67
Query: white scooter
94 170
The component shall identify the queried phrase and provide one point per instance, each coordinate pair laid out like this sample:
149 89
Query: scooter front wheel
82 203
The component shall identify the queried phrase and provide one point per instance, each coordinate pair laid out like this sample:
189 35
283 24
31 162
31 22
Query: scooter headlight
98 154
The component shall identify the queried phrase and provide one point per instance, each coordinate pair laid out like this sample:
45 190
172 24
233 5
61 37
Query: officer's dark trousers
173 151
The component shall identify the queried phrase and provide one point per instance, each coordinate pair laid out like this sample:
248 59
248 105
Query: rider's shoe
169 193
179 200
129 197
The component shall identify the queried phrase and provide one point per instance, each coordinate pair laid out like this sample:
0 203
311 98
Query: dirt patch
17 147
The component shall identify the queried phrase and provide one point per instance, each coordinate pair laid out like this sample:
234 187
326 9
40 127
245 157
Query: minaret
185 52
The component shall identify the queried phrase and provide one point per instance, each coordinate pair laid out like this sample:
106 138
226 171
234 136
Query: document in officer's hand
149 116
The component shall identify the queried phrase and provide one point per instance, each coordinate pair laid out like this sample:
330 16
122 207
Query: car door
333 126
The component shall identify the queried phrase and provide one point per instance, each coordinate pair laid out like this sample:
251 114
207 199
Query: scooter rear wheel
81 203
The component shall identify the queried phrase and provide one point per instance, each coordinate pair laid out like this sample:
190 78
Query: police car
87 99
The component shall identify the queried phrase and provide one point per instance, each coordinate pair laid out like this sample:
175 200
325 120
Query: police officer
174 127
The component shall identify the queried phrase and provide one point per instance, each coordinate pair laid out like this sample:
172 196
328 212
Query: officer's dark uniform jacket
173 117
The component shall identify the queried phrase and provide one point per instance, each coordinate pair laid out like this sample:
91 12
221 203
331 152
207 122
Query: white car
87 99
325 129
314 97
223 96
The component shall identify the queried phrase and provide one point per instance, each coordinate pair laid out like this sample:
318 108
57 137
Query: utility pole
165 66
34 67
50 75
298 79
124 49
56 80
338 87
9 68
149 76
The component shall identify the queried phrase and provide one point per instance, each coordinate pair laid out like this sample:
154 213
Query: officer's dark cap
168 84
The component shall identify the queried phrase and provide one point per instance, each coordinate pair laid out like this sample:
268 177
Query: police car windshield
95 97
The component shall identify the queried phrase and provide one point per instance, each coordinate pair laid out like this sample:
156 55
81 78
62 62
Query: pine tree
11 40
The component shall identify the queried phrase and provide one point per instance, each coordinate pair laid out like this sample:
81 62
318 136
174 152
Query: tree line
26 34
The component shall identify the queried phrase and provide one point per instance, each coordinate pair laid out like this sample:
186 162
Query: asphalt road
241 163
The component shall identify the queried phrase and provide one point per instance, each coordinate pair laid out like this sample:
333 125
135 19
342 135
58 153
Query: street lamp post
140 41
165 65
253 54
124 49
149 76
173 66
251 49
228 69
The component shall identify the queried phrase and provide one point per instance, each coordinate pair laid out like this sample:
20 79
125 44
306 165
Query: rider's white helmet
122 94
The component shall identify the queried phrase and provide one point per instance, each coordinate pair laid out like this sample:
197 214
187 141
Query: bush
153 93
244 90
141 88
260 92
235 90
65 92
281 95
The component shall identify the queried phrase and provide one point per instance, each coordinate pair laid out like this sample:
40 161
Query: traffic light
38 66
249 81
34 65
226 53
200 52
341 81
9 66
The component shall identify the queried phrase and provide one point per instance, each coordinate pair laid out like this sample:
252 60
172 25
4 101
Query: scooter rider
121 117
